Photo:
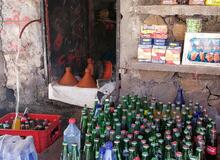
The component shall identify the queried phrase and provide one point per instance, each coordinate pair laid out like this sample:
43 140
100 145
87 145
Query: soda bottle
88 152
16 123
125 152
211 148
118 150
72 134
75 153
64 154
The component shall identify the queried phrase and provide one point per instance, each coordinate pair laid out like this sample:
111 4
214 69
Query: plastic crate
42 138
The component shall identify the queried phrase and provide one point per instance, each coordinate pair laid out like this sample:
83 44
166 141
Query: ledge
177 10
209 70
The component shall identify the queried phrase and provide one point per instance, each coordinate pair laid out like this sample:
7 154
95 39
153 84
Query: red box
42 138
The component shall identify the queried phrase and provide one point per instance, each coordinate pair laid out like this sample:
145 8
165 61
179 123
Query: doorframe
46 41
118 76
45 38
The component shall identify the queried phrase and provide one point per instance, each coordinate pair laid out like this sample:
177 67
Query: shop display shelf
195 69
187 10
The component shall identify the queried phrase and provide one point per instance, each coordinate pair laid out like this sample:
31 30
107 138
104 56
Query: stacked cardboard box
154 47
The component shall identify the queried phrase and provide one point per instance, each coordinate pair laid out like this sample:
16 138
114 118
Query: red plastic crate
42 138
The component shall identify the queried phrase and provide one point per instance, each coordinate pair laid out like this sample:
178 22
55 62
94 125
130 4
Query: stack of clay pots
87 81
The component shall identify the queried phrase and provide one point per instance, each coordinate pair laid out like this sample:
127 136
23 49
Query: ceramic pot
68 78
90 65
108 70
87 81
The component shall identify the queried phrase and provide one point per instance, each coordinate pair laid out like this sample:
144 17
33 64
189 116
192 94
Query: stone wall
162 85
14 15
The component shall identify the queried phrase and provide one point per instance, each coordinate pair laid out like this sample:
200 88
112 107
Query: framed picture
202 49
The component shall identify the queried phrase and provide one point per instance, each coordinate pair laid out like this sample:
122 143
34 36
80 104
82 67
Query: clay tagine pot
87 81
108 70
68 78
90 65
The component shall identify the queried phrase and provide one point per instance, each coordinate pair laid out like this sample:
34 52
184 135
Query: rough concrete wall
162 85
2 63
15 14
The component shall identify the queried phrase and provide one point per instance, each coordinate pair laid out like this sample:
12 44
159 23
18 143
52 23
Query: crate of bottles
44 128
146 129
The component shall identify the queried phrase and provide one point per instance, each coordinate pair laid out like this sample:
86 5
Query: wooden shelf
177 10
209 70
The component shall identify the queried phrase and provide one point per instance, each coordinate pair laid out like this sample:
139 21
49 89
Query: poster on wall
202 49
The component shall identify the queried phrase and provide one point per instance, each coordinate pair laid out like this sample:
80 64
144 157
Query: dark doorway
77 30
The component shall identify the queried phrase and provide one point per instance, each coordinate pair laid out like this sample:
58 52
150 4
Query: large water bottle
72 134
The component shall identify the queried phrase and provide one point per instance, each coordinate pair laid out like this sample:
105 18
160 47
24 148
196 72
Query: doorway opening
77 30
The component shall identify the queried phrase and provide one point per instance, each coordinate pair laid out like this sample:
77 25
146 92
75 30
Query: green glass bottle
112 135
199 153
167 155
107 133
132 153
185 151
135 145
65 151
141 145
192 157
118 150
131 129
118 137
168 139
138 106
83 124
119 110
88 137
161 148
102 139
145 156
96 147
89 127
118 128
129 120
124 123
88 153
146 148
125 152
179 156
75 152
124 112
174 146
153 149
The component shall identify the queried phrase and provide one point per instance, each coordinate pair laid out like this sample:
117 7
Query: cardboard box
173 55
145 41
158 54
145 53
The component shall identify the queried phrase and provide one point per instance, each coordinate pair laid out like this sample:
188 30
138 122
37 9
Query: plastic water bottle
72 134
108 151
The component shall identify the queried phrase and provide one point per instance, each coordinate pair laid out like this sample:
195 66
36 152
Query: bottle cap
72 121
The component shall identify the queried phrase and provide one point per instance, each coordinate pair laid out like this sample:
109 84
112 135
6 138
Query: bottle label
211 150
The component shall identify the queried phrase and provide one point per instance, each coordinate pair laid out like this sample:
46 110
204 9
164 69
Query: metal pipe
25 26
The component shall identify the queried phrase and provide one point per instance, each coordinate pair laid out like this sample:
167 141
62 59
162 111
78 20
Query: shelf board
208 70
177 10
